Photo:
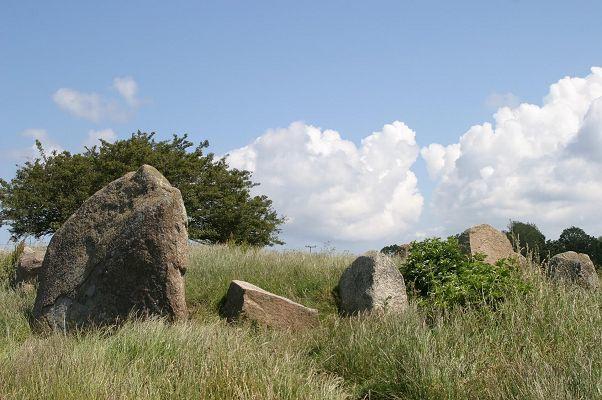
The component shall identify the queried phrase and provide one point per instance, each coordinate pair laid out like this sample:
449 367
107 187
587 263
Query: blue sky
229 71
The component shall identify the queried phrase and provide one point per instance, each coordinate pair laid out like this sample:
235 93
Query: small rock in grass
28 266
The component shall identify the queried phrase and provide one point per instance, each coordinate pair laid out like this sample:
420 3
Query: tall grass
547 345
543 345
305 278
8 264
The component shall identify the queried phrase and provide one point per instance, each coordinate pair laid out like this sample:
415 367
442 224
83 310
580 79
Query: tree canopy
571 239
391 250
46 191
527 237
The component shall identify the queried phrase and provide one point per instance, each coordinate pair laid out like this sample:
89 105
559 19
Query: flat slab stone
247 301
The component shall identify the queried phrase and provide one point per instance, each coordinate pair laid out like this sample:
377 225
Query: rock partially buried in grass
28 266
123 253
574 267
485 239
247 301
372 283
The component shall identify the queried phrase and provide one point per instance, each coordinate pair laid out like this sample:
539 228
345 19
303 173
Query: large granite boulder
485 239
372 283
574 267
123 253
247 301
28 266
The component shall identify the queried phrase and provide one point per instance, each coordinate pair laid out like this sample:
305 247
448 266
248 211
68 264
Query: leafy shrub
443 277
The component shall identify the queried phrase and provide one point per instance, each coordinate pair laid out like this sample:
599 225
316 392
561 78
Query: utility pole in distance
311 247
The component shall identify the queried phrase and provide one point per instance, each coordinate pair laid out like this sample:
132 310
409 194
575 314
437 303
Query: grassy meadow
543 345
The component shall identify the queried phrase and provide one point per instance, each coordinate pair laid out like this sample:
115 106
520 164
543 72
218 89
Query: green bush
443 277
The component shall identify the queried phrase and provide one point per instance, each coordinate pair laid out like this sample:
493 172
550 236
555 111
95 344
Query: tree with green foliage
49 189
391 250
528 238
443 277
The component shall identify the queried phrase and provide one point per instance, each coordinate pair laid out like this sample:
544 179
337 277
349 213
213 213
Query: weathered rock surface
372 283
124 252
245 300
28 266
574 267
485 239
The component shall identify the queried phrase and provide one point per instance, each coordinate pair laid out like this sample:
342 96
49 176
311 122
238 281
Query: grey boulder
372 283
122 253
573 267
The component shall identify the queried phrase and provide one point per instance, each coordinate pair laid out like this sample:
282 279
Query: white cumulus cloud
535 163
331 189
496 100
95 107
127 88
42 136
32 152
89 106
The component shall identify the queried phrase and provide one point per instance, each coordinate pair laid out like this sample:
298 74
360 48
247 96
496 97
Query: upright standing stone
124 252
574 267
485 239
245 300
372 283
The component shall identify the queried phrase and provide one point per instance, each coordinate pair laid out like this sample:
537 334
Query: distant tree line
528 238
49 189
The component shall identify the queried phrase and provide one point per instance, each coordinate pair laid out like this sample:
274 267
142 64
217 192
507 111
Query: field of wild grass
543 345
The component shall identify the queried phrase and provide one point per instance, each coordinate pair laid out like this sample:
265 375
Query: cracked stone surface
123 253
